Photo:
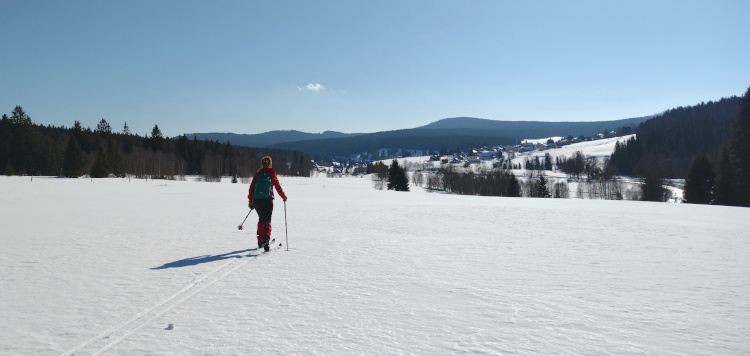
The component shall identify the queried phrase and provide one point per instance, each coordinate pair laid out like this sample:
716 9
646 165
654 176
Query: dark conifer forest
30 149
675 137
707 144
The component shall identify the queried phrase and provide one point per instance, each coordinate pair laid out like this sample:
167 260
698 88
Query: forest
707 144
30 149
676 136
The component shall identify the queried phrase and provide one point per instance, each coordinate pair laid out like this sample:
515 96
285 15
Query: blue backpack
262 186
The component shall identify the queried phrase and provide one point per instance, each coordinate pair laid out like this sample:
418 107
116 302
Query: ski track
107 339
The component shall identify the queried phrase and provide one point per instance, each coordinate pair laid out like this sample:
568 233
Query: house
487 155
527 147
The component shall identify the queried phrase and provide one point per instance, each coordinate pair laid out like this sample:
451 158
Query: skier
261 198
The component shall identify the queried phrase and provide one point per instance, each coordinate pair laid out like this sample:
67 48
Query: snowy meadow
136 267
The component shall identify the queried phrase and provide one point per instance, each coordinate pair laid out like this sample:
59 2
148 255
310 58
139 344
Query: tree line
728 183
595 178
707 144
30 149
675 137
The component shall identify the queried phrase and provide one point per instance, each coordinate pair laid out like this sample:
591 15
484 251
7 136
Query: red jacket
274 181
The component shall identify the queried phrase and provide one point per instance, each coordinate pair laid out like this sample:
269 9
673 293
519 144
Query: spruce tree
740 150
103 128
397 179
514 187
725 182
157 139
699 182
543 191
100 168
74 163
652 188
547 162
8 169
116 161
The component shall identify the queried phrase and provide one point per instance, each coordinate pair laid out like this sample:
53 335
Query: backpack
262 186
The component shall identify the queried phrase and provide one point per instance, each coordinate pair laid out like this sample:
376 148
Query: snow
118 267
597 148
543 140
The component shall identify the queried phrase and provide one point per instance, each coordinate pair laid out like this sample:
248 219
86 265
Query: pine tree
73 160
724 194
739 146
116 161
22 141
18 116
8 169
157 139
103 128
397 178
100 168
543 191
514 187
652 188
699 182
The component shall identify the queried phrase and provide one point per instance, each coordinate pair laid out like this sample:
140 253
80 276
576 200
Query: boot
266 234
259 234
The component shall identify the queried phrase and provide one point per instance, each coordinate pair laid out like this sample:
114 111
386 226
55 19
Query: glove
250 205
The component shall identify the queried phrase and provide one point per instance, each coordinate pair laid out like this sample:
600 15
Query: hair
266 162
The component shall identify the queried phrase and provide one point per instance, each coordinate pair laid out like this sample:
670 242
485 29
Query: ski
272 246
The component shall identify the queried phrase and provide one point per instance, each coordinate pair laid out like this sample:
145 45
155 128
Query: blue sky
356 66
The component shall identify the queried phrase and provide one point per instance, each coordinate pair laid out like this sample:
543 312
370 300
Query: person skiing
261 199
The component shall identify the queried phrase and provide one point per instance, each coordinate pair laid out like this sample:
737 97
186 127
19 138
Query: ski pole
243 221
286 228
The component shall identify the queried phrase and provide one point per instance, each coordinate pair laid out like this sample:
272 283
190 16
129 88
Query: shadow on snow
192 261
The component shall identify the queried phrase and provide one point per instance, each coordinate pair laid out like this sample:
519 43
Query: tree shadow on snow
192 261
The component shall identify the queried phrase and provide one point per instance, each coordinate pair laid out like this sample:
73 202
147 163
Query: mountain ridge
448 133
479 123
267 138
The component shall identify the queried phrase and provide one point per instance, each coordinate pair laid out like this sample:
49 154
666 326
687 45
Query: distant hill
535 129
462 132
413 139
451 133
267 138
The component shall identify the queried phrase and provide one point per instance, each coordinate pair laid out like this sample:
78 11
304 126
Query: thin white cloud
314 87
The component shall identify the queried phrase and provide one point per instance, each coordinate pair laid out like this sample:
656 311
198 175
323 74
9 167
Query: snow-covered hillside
598 149
159 268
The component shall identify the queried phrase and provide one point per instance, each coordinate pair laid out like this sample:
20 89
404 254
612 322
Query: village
495 155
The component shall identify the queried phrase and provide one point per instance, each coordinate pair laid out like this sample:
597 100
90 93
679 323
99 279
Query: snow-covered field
159 268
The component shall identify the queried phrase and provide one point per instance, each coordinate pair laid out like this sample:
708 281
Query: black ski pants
264 207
